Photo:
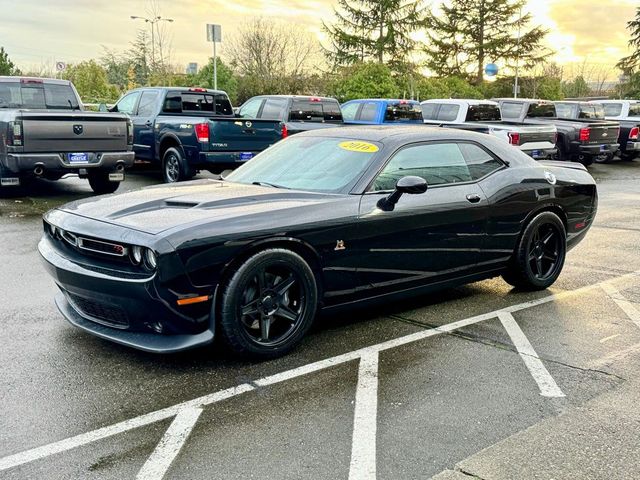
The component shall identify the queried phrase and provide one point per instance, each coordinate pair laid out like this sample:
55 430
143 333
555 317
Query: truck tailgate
73 132
243 135
604 133
533 134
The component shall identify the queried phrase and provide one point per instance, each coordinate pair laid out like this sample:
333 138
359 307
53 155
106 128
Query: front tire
269 304
539 256
174 166
100 183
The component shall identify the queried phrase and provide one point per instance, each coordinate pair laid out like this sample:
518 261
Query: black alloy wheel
268 304
174 166
539 256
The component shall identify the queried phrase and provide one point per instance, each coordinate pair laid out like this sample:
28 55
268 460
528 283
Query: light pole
516 86
152 22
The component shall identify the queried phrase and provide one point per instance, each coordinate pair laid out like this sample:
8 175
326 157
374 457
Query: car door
143 125
429 237
129 104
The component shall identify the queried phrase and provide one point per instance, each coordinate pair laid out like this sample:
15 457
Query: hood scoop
180 204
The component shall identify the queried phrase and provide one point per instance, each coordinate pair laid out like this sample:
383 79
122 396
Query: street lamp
152 22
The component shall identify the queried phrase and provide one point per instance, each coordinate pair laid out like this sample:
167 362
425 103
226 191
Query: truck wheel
174 166
100 183
603 158
539 256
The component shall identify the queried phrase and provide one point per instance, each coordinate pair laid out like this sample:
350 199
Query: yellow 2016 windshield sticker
355 146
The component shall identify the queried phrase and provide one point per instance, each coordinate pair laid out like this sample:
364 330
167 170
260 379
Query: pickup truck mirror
103 107
409 184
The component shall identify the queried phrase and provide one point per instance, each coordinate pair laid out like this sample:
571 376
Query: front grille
99 312
98 246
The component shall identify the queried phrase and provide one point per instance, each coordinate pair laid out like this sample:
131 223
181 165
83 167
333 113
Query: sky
70 31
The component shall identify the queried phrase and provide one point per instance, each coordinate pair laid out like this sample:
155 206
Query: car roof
303 97
396 133
523 100
182 89
54 81
460 101
382 100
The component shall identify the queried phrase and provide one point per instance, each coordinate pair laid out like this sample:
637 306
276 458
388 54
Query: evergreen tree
7 67
374 30
464 35
631 63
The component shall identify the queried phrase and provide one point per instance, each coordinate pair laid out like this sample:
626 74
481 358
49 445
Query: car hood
163 207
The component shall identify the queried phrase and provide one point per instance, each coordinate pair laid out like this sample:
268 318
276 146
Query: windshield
37 95
322 164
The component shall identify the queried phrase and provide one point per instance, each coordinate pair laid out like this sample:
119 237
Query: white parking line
170 444
43 451
546 383
627 307
365 419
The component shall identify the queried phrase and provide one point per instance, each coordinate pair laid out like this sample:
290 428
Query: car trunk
73 132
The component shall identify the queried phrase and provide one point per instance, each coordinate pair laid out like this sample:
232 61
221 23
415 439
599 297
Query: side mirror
410 184
103 107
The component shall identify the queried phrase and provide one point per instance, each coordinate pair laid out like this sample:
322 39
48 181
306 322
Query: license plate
78 157
10 182
536 153
603 148
246 156
116 177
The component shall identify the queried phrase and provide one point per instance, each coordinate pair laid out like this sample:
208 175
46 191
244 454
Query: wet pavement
478 381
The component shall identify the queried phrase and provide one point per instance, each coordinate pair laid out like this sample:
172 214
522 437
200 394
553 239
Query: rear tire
174 166
539 256
100 183
269 304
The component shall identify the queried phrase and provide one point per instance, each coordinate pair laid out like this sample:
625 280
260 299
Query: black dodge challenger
319 221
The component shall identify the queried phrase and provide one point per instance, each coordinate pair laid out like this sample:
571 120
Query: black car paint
201 230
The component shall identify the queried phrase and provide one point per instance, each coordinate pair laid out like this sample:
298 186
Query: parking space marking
365 419
627 307
60 446
546 383
170 444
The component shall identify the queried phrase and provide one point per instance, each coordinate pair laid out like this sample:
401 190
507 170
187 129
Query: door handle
473 198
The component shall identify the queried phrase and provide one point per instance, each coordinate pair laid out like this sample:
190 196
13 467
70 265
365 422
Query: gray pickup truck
45 132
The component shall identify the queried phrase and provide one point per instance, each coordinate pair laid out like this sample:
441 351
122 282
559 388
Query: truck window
429 111
196 102
147 103
564 110
349 111
541 110
511 110
448 112
402 111
38 95
590 111
332 112
612 109
634 110
127 103
306 111
274 108
251 108
483 113
369 112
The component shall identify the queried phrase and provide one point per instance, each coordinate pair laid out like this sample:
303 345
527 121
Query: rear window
541 110
511 110
192 102
591 111
483 113
612 109
402 112
37 96
303 110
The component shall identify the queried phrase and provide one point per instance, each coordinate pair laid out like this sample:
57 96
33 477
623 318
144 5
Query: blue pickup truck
189 129
378 111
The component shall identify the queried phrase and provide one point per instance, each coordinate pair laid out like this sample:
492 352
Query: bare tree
163 38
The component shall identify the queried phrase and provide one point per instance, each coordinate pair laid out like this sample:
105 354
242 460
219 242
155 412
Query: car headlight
136 254
150 258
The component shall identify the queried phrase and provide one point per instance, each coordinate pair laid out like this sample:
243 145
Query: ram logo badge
78 129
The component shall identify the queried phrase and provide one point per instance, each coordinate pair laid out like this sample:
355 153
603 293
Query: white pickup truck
537 141
627 113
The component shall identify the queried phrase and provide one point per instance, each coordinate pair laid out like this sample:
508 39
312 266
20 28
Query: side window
273 109
369 112
511 110
250 109
437 163
612 109
349 111
634 110
564 110
128 103
448 112
147 102
479 161
429 110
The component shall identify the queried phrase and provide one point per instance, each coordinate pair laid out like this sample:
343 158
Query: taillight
315 99
14 134
514 138
555 138
198 90
633 134
129 132
202 132
285 132
585 134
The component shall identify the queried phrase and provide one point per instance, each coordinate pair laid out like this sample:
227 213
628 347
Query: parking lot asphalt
478 381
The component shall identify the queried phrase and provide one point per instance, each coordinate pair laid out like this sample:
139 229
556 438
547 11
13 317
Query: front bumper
26 162
120 309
